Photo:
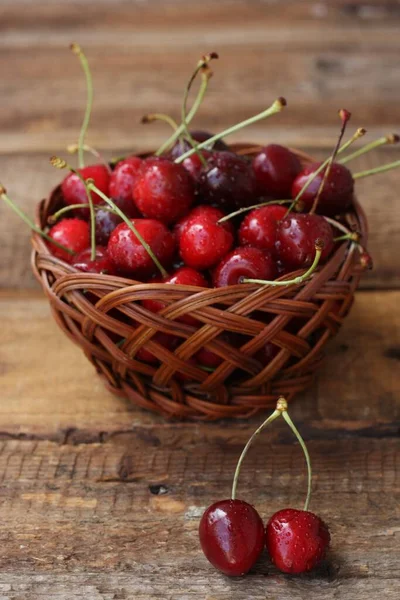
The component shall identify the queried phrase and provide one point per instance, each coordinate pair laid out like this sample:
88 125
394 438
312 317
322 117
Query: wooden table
100 500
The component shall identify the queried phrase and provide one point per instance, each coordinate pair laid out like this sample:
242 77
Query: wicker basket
103 314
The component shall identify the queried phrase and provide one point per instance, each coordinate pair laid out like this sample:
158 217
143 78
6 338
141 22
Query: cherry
71 233
296 238
121 184
231 536
163 190
337 193
244 262
275 169
164 339
74 191
228 181
204 211
194 165
296 540
258 228
128 254
203 242
182 146
267 353
106 222
101 264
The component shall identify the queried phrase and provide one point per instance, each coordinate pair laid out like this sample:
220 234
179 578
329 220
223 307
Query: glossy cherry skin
337 195
194 165
203 242
296 540
121 185
101 264
106 222
71 233
296 237
182 146
128 254
275 168
231 536
74 191
244 262
204 211
258 228
228 181
163 190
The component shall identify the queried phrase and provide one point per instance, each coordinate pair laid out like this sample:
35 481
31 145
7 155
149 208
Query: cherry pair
232 534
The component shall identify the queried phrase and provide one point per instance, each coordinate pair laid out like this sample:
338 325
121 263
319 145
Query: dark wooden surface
81 515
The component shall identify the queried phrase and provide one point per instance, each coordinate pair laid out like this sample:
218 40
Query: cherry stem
352 236
151 117
277 413
55 216
76 49
377 170
196 105
296 280
73 149
359 133
247 208
131 226
27 220
387 139
293 427
345 117
275 107
60 163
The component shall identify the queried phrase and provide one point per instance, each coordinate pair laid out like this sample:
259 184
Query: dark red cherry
244 262
258 228
296 237
267 353
275 169
194 165
337 195
228 181
203 242
231 536
164 339
71 233
74 191
101 264
106 222
163 190
121 185
182 146
296 540
128 254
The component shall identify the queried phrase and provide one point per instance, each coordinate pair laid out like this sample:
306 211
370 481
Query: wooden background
83 513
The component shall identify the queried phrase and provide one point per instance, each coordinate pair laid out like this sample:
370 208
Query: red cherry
106 222
296 540
296 237
128 254
258 228
267 353
182 146
74 191
164 339
71 233
204 210
194 165
242 263
121 185
203 242
163 190
228 181
100 264
337 194
231 536
275 169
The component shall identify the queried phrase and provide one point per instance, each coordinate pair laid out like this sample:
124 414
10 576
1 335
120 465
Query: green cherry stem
129 223
275 107
352 236
297 280
392 138
277 413
293 427
205 78
60 163
65 209
376 170
27 220
151 117
247 208
76 49
73 149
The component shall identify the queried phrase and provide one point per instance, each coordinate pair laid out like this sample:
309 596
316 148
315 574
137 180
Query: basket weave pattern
104 315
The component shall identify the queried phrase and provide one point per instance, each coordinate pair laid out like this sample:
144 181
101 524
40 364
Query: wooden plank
50 391
30 177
